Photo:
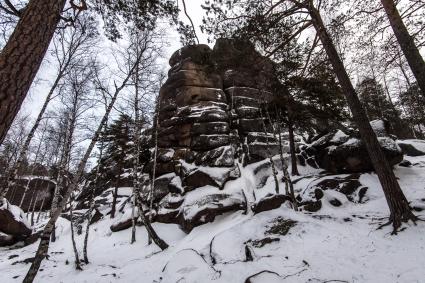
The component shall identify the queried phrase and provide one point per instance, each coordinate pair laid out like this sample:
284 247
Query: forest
250 141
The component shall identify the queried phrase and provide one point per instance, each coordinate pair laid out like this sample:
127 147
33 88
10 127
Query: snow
336 243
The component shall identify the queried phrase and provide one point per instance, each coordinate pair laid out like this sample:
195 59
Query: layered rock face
211 103
210 120
39 193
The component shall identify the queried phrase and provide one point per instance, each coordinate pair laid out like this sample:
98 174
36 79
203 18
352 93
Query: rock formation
39 193
210 121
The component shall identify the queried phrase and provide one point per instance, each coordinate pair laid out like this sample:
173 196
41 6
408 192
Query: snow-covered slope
335 244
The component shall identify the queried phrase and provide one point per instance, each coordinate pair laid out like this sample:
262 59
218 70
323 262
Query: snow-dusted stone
13 221
261 137
219 157
210 128
204 204
210 176
191 95
6 240
265 276
349 186
260 151
251 125
161 189
261 96
381 128
197 53
124 220
269 202
207 142
40 186
338 152
412 147
192 78
188 266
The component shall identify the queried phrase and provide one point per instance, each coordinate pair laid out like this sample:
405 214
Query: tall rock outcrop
210 120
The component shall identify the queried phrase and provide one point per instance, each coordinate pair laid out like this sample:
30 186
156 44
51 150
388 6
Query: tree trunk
91 203
136 182
22 56
406 42
154 162
151 232
74 245
294 166
114 202
397 202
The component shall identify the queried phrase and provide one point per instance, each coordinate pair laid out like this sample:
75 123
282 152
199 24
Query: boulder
412 147
207 176
6 240
269 202
199 54
39 188
13 223
218 157
204 204
338 152
265 276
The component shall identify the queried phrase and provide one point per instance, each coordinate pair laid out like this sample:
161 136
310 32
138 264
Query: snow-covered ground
335 244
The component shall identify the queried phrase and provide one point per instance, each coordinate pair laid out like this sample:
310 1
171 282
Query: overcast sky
38 92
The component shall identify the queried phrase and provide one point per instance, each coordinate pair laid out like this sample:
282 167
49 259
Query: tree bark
74 245
397 202
92 203
114 201
294 166
406 42
23 54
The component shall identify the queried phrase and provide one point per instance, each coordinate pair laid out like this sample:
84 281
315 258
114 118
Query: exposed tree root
397 221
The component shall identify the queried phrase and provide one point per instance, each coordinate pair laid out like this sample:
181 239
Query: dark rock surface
269 202
39 190
13 226
338 152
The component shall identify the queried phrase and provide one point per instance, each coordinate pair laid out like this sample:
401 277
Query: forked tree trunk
21 58
397 202
406 42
